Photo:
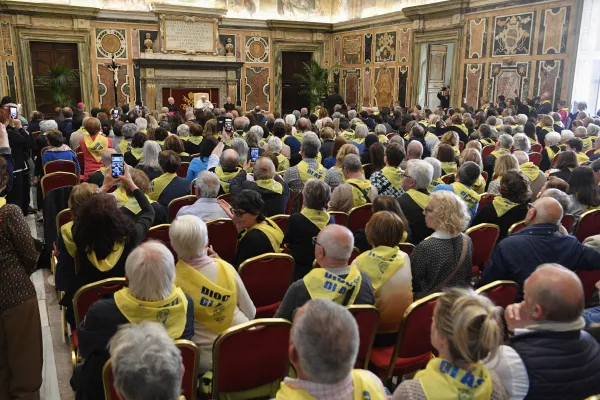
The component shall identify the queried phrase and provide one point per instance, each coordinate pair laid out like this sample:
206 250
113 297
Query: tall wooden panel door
436 73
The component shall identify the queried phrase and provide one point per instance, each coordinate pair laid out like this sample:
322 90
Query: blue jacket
197 165
68 155
294 144
450 188
518 255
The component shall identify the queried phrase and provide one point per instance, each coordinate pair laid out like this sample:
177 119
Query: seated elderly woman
274 145
436 178
101 239
505 163
257 234
445 259
566 163
302 227
130 206
503 146
522 143
390 272
273 190
58 150
142 124
168 186
565 136
183 132
381 132
360 133
465 331
150 296
576 145
356 191
335 176
196 271
413 202
583 191
510 207
376 158
445 154
128 131
148 163
174 143
552 148
133 156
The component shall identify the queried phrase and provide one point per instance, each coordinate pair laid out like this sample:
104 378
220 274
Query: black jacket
488 215
20 142
426 148
415 217
326 148
274 203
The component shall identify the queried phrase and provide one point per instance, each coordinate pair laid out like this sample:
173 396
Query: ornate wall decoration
11 79
351 86
327 51
509 79
337 50
139 43
476 38
513 35
385 47
257 49
402 85
351 49
109 41
554 27
473 84
6 39
257 88
223 40
549 78
384 87
106 90
368 48
367 92
404 45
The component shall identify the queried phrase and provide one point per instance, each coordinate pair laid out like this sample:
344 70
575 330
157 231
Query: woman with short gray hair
254 136
149 161
241 147
274 146
522 143
360 133
128 131
183 131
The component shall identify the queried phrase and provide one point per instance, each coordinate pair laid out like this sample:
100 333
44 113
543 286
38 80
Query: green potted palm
316 79
57 79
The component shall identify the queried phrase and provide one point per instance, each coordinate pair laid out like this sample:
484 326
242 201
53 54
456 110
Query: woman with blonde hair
334 176
93 145
475 156
465 330
445 259
504 163
152 122
451 139
434 124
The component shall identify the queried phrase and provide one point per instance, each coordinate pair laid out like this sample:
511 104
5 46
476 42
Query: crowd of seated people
316 174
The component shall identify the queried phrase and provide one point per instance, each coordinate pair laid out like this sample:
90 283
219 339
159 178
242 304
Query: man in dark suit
332 99
66 125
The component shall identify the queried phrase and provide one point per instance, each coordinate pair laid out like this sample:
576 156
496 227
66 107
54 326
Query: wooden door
436 73
52 53
292 63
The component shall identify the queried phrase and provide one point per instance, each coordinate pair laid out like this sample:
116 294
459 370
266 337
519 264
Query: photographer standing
444 96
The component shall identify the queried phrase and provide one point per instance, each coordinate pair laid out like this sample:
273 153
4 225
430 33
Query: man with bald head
517 256
414 151
549 356
333 279
225 164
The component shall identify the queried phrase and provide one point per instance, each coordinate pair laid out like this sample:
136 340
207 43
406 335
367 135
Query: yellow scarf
144 131
124 146
380 264
530 170
322 284
284 163
479 186
361 191
306 172
365 388
548 129
270 184
502 205
449 167
298 136
184 138
393 175
456 151
486 141
435 183
420 198
2 202
129 203
532 140
463 128
430 135
349 135
582 158
587 144
442 380
170 312
226 177
551 153
382 138
195 139
159 184
271 230
498 152
214 302
358 140
466 193
318 217
136 152
96 145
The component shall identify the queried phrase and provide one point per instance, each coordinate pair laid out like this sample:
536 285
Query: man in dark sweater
335 280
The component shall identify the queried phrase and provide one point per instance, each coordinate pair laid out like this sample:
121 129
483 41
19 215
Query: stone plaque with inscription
189 35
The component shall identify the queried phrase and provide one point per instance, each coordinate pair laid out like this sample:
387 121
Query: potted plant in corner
57 80
316 79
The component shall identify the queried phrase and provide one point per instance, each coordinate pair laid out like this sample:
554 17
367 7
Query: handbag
442 284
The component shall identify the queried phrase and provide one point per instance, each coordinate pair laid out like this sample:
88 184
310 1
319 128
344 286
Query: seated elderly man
150 296
335 280
414 151
467 176
549 356
413 202
141 352
323 347
128 131
97 178
168 186
551 150
417 133
225 164
518 255
388 181
309 167
355 191
503 146
45 127
206 207
142 124
535 175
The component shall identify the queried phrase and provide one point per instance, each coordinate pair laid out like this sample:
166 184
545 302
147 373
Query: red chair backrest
501 293
568 220
177 204
535 158
487 150
537 148
222 236
588 281
278 267
517 227
295 202
415 329
182 170
227 197
446 178
483 237
359 216
63 217
355 253
486 199
57 180
89 294
281 220
81 159
340 218
60 166
390 135
408 248
367 319
245 358
161 233
589 225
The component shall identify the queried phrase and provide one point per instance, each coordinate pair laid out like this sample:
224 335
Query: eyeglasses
409 177
315 243
238 213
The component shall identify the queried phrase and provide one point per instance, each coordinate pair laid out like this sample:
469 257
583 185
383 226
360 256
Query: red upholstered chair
413 348
516 227
81 159
537 148
182 170
222 236
60 166
483 237
535 158
486 198
340 217
267 294
487 150
501 293
294 203
44 150
390 135
197 155
568 220
367 319
589 225
588 281
227 197
250 356
177 204
408 248
57 180
446 178
461 146
359 216
63 217
281 220
485 175
161 233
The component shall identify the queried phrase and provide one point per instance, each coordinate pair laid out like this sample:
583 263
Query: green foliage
316 78
57 79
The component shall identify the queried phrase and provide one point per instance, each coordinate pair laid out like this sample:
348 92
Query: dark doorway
292 63
52 53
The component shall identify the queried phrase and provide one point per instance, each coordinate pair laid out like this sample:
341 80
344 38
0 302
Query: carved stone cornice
299 25
370 22
27 8
217 12
435 10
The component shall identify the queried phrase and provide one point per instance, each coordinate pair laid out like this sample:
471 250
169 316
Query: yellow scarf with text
226 177
170 312
393 175
588 144
498 152
551 153
306 172
435 183
283 161
349 135
382 138
502 205
159 184
271 230
442 380
96 145
479 186
582 158
449 167
361 191
136 152
124 146
270 184
467 194
418 197
322 284
214 302
530 170
380 264
318 217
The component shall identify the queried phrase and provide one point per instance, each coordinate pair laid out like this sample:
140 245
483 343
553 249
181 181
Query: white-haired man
150 296
171 106
323 346
335 280
537 177
204 104
206 208
413 202
414 151
309 167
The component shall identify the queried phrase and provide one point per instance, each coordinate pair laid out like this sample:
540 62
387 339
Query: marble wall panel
404 39
384 87
351 86
257 88
368 48
554 28
476 43
402 85
367 92
509 79
11 78
106 38
257 49
337 50
513 34
6 39
106 93
549 78
473 84
351 49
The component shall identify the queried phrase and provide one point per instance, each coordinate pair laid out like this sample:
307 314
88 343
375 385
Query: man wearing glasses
417 179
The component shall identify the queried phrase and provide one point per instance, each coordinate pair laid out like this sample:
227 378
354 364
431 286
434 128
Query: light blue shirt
205 209
472 210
